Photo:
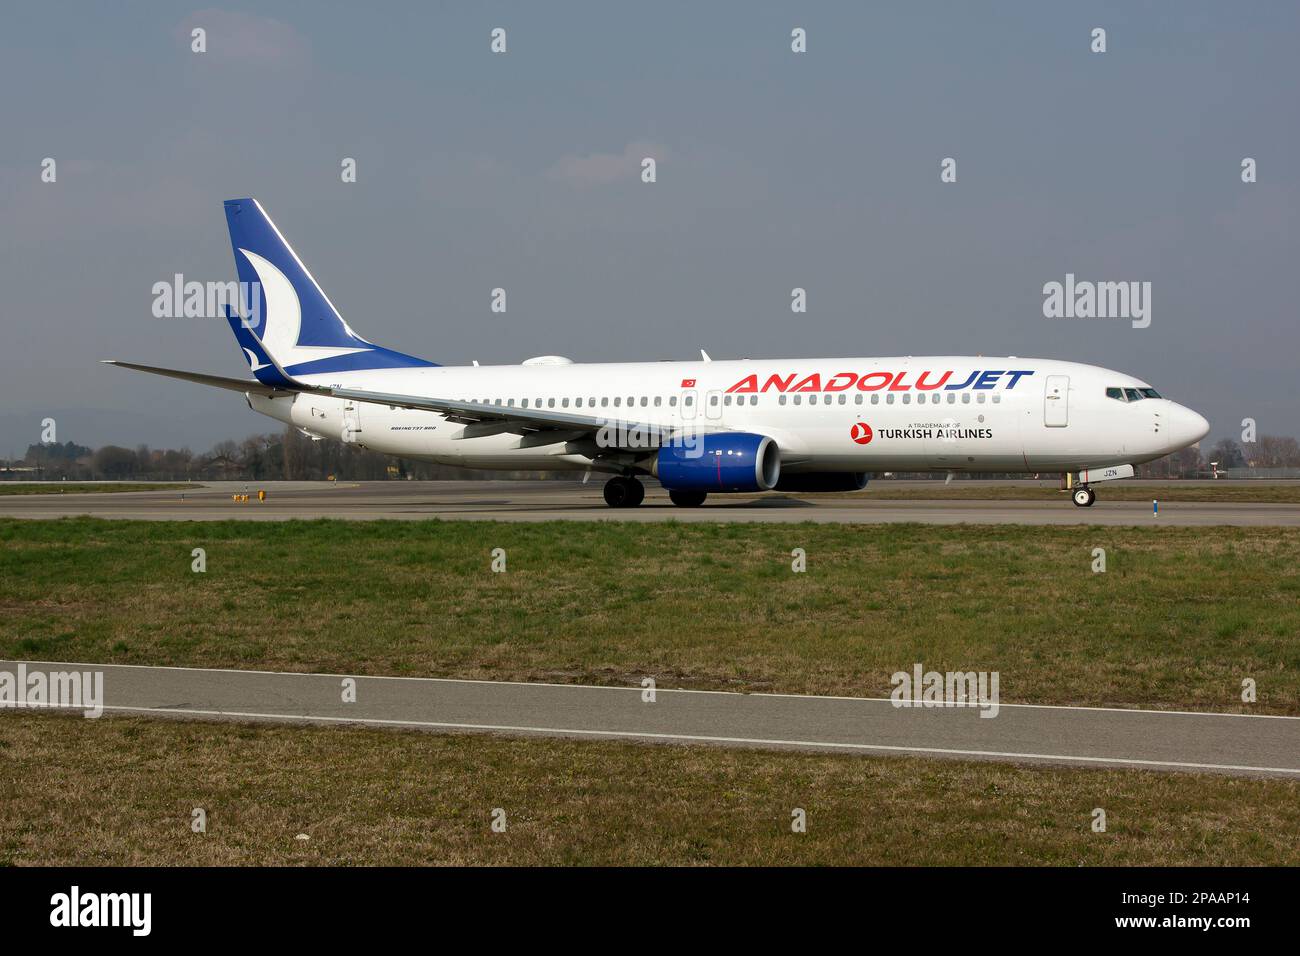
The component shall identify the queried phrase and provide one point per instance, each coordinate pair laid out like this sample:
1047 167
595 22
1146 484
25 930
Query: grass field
86 488
1208 491
1180 617
121 791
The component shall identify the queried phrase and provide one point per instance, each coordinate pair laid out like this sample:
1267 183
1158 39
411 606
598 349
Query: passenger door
1056 401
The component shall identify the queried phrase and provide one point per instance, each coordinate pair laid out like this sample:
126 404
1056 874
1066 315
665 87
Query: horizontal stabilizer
216 381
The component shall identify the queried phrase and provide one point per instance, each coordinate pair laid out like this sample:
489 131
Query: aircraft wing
500 418
547 425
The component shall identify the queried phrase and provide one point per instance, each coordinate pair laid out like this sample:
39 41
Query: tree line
288 455
291 455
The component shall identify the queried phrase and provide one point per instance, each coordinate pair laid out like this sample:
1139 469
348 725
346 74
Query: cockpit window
1149 392
1132 394
1116 393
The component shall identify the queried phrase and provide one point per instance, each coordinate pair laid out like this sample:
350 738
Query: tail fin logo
253 364
283 319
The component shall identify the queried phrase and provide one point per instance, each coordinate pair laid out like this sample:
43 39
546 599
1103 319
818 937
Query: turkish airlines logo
861 433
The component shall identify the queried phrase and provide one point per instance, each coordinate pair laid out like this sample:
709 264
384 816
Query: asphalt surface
1157 740
563 500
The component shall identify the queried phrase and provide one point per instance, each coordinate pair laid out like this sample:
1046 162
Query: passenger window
843 398
524 404
690 399
907 398
889 399
604 402
618 400
550 403
565 403
713 399
658 401
997 399
726 400
798 399
781 400
643 401
578 402
952 397
812 399
981 398
965 398
672 401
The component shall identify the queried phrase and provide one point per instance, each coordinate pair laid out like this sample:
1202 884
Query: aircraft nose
1186 427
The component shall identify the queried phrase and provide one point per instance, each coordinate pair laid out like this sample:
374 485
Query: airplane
698 428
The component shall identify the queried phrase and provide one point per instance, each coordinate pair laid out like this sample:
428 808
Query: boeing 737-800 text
697 427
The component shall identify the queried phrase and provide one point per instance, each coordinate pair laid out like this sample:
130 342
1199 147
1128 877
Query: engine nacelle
824 481
724 461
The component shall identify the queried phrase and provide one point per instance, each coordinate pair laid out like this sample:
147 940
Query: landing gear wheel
1084 497
687 499
624 492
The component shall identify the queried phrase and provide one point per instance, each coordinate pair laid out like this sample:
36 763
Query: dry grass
120 791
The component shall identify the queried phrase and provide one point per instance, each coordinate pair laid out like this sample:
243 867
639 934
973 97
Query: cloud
601 169
249 40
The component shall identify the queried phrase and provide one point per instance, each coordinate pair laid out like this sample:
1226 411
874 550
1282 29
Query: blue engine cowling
725 461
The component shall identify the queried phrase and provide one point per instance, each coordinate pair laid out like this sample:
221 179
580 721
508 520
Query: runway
573 501
1085 737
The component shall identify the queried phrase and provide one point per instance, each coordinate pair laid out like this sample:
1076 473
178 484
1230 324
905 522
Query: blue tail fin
286 312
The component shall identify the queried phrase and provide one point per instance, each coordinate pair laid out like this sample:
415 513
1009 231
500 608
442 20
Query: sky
775 170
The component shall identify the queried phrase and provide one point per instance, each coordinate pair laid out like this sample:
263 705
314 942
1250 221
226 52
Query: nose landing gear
1084 496
624 492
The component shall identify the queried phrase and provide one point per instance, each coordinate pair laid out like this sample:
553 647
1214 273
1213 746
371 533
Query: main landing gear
628 492
1084 496
624 492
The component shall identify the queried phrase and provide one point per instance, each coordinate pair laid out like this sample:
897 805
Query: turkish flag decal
688 383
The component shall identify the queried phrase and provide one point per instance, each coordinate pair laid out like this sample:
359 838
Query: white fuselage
913 413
